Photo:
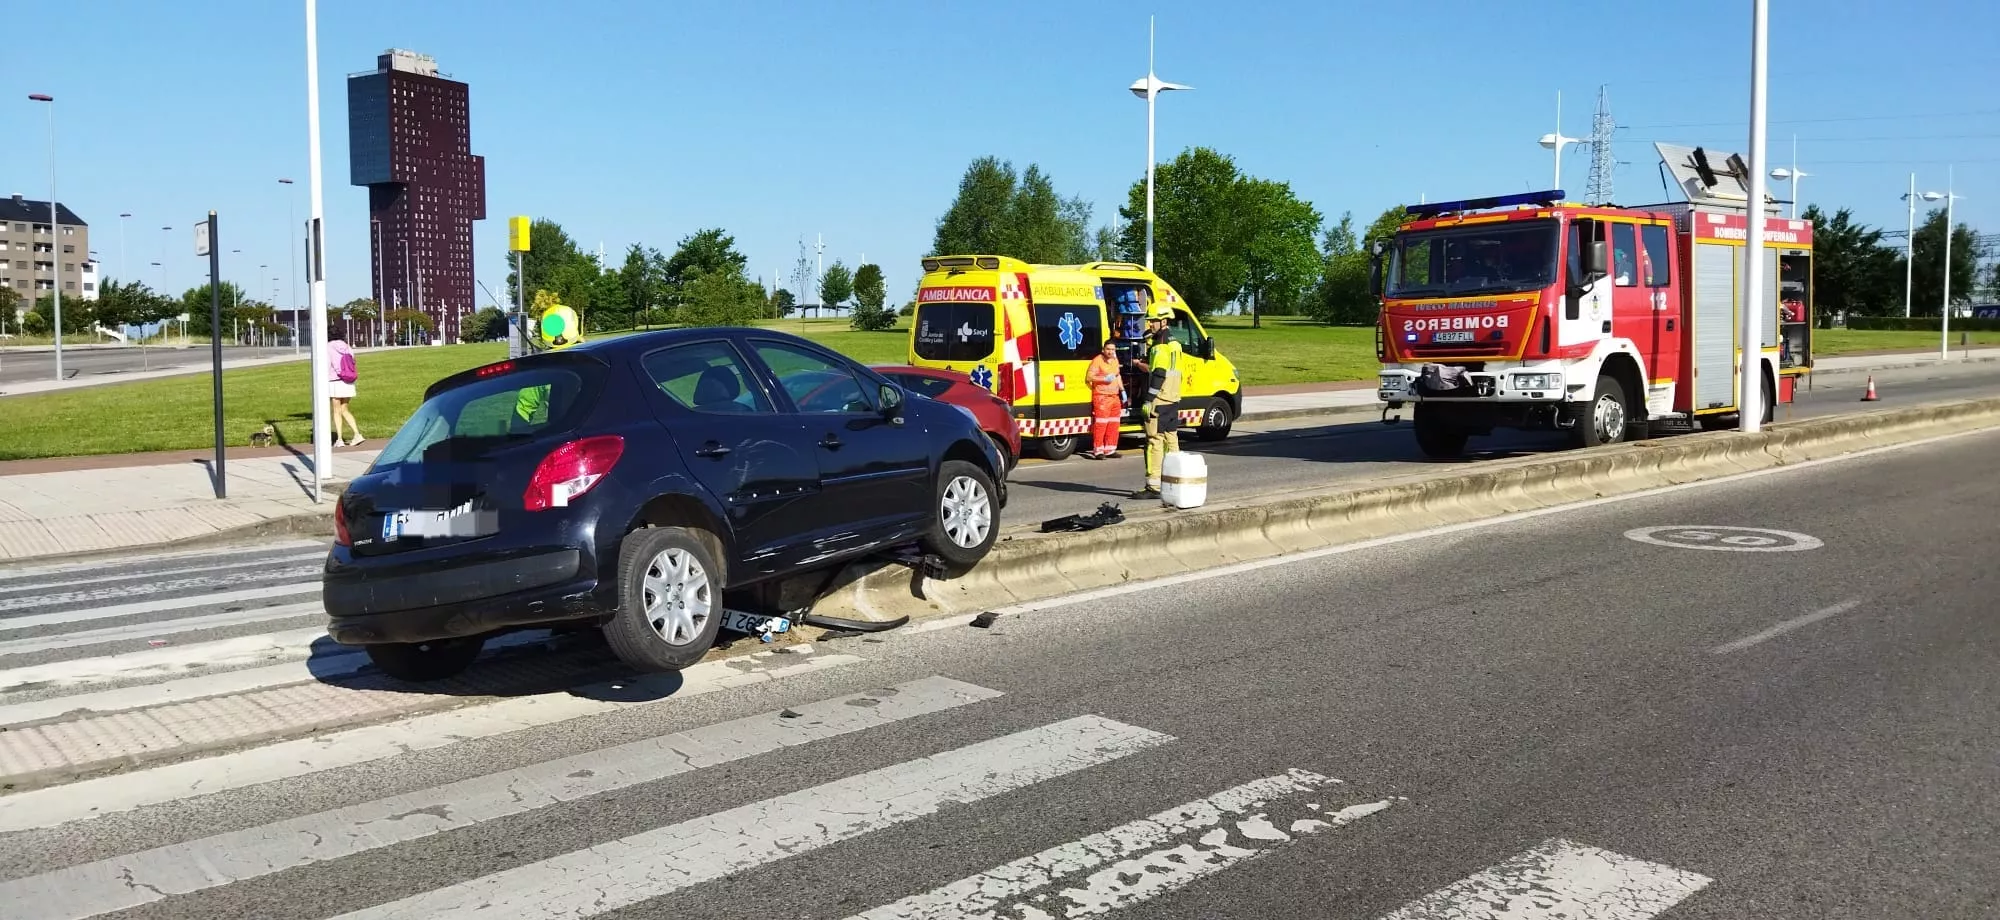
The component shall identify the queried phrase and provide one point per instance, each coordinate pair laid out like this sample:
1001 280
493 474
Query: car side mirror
1207 351
891 400
1375 274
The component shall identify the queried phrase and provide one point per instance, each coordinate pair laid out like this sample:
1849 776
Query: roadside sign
201 238
517 234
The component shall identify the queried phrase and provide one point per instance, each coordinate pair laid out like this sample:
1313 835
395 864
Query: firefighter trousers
1163 437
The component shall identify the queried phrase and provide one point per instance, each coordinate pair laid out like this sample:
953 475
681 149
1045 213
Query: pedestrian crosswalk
628 795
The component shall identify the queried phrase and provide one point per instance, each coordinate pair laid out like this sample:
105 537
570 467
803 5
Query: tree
1104 245
836 285
1853 272
365 311
610 307
9 302
126 303
703 252
1196 243
639 279
870 293
1281 254
556 264
783 303
1343 297
486 324
195 304
720 298
405 325
1928 285
1022 216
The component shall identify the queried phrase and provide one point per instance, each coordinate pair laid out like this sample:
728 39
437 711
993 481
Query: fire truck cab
1525 311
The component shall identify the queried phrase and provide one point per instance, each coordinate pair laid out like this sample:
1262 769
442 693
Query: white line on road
1559 879
216 599
92 798
620 873
1785 627
122 559
152 628
105 593
1138 861
164 662
158 573
131 880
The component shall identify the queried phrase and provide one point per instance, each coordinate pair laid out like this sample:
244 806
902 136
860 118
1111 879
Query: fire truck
1604 322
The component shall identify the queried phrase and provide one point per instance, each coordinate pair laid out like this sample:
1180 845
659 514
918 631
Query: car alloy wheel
676 594
967 512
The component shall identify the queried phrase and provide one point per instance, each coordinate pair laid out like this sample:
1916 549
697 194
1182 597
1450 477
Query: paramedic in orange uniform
1107 409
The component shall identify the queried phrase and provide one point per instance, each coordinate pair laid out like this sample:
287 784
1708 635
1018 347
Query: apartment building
31 248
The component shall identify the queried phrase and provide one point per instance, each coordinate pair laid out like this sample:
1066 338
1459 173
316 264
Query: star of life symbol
1070 330
982 377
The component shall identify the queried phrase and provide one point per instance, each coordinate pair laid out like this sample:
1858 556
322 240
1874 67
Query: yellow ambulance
1028 333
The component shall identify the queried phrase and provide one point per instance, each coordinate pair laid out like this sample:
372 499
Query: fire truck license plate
1465 336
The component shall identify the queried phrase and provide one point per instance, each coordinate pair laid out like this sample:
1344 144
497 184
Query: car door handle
712 449
830 442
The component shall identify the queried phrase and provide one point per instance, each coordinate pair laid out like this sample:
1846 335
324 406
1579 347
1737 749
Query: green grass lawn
173 413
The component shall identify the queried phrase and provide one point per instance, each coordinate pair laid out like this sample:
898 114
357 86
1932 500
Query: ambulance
1028 333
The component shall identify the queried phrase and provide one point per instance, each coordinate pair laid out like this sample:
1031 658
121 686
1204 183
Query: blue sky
635 121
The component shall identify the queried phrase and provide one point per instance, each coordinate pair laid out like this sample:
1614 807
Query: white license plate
399 524
751 624
1443 337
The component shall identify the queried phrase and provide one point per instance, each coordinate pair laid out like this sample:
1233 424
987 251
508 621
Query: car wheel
965 517
420 662
1216 420
1605 420
669 598
1436 436
1059 448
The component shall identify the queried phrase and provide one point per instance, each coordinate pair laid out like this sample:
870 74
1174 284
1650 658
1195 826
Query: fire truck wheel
1610 412
1058 448
1437 437
1770 402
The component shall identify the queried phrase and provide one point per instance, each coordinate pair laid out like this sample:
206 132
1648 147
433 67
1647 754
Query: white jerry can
1184 480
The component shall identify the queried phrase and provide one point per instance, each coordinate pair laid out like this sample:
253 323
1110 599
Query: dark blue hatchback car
630 482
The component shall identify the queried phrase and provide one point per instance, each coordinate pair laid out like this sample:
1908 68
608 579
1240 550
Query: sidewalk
194 360
91 508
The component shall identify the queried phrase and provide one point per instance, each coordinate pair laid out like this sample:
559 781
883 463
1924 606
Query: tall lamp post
1750 368
55 244
1149 88
1910 246
292 224
1944 307
124 268
316 262
1557 141
1794 175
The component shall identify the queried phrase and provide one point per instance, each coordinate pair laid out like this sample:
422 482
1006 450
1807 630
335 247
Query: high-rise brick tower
409 141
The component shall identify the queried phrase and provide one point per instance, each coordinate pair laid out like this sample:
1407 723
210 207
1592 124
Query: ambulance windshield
1481 259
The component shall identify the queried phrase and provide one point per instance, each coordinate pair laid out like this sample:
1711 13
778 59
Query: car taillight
340 535
571 470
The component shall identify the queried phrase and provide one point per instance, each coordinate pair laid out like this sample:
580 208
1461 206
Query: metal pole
1910 248
215 350
1750 370
55 233
316 265
1944 311
1558 145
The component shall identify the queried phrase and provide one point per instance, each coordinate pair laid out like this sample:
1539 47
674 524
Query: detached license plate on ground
1442 337
751 624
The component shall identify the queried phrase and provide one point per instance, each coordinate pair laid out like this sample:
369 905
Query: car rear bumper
466 599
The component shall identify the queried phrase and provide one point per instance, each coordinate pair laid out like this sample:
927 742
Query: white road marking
296 644
159 573
620 873
118 559
216 599
36 597
1225 571
131 880
1134 862
1724 539
91 798
1559 880
154 628
1785 627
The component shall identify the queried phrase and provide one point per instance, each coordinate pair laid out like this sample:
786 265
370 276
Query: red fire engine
1524 311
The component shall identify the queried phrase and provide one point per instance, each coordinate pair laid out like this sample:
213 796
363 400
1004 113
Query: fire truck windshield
1480 259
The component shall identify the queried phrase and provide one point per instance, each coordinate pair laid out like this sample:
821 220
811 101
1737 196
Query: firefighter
1160 404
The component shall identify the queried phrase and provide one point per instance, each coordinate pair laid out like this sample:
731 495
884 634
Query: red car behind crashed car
995 417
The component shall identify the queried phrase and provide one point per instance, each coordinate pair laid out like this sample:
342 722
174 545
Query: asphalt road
1536 717
108 363
1285 456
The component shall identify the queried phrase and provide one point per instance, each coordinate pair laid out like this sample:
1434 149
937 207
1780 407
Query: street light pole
124 268
1910 248
316 263
1557 141
1750 370
55 231
1944 311
1150 89
1794 174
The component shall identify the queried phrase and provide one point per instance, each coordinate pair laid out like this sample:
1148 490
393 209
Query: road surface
109 365
1602 713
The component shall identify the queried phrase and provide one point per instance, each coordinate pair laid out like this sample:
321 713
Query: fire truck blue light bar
1434 208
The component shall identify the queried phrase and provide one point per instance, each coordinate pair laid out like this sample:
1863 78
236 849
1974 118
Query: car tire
1216 420
669 598
1059 448
1005 450
422 662
1606 417
1436 436
965 515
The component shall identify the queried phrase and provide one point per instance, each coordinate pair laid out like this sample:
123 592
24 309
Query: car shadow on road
576 664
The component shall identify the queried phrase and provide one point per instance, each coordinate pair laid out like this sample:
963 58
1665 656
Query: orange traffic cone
1870 395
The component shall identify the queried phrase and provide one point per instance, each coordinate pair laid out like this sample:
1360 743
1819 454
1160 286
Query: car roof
939 373
627 346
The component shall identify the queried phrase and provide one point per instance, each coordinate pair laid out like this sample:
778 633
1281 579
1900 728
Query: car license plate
417 523
751 624
1444 337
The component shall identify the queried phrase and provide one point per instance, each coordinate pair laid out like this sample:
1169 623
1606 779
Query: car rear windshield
471 421
954 331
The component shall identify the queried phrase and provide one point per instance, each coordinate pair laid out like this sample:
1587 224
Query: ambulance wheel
1215 420
1609 414
1437 437
1059 448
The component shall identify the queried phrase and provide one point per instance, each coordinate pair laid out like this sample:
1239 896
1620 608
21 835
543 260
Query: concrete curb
1033 566
1925 361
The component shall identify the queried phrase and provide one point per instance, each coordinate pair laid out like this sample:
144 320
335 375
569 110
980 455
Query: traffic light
560 328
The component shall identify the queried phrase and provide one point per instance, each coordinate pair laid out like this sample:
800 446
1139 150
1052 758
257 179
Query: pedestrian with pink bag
341 374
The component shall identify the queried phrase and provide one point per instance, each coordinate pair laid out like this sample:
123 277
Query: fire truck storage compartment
1718 284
